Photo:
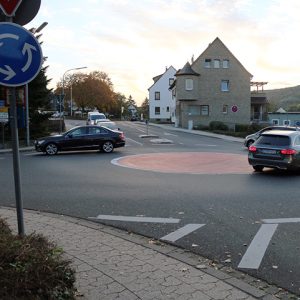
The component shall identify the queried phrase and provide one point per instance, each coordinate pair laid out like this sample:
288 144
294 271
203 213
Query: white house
161 103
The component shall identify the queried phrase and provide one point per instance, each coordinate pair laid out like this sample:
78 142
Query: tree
144 109
93 90
39 99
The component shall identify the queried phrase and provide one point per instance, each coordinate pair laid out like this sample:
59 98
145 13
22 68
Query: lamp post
63 94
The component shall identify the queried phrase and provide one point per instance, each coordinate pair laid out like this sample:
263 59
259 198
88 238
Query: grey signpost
20 62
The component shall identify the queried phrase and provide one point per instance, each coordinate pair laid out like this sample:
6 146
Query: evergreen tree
38 100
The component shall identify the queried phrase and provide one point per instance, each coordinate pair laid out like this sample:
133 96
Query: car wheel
249 143
51 149
258 168
107 147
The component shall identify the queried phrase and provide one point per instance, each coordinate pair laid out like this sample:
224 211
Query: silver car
276 149
251 138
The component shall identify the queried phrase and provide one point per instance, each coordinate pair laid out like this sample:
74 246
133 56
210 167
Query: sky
134 40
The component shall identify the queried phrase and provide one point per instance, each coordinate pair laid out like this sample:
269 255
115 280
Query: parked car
276 149
251 138
109 124
82 138
95 116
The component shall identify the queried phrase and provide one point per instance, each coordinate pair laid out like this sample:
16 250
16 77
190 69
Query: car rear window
273 140
96 117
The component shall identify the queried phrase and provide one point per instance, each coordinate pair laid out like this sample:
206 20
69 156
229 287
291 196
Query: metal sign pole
16 161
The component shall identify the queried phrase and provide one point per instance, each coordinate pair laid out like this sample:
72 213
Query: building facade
161 102
214 87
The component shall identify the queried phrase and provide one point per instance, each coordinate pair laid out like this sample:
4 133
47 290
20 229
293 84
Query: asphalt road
249 221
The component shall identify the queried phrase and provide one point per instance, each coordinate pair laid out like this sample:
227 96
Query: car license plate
268 151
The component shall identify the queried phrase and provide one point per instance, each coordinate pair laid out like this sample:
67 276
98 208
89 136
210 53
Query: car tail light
288 151
252 149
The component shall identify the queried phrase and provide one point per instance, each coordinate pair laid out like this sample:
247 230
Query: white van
94 116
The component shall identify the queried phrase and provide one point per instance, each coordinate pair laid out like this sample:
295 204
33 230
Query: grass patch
33 268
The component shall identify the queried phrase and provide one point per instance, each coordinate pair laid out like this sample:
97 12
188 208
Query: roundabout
187 163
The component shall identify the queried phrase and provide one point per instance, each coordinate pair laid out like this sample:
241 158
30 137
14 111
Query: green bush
216 125
31 267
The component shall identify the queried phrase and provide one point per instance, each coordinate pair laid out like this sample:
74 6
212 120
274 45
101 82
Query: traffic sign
20 55
234 108
9 7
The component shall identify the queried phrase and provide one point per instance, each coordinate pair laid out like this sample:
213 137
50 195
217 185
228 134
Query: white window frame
275 121
225 63
217 63
225 109
189 84
225 85
286 122
204 110
157 95
207 63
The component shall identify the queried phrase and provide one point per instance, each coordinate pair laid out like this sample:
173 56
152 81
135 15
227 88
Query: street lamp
63 94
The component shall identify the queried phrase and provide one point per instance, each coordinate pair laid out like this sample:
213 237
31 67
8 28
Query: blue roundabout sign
20 55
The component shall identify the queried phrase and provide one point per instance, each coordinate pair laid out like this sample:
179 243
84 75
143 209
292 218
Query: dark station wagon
276 149
82 138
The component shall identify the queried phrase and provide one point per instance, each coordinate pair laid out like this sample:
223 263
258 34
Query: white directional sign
20 55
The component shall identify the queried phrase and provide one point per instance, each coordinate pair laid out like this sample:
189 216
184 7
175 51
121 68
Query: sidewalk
113 264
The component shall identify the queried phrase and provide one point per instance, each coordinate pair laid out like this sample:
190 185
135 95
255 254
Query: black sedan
276 149
82 138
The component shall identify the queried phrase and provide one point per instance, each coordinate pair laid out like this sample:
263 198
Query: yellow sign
4 109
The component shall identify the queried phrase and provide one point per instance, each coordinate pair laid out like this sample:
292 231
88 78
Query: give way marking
256 250
171 237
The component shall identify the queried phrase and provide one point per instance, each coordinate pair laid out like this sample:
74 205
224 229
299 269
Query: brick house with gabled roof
214 87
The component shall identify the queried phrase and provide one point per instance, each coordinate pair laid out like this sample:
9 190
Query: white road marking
205 145
134 141
181 232
256 250
280 221
167 133
136 219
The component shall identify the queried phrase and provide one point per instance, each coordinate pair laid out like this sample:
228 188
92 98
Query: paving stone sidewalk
112 264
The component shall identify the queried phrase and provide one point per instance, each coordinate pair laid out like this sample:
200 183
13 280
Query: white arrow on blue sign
20 55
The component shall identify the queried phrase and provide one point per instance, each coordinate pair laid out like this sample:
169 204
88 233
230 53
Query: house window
198 110
174 92
157 95
287 122
216 63
168 108
194 110
225 109
171 81
225 85
204 110
189 84
207 63
275 122
157 110
225 64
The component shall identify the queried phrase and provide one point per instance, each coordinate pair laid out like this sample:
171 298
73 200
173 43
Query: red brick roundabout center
187 163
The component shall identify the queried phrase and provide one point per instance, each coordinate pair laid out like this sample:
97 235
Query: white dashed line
181 232
256 251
